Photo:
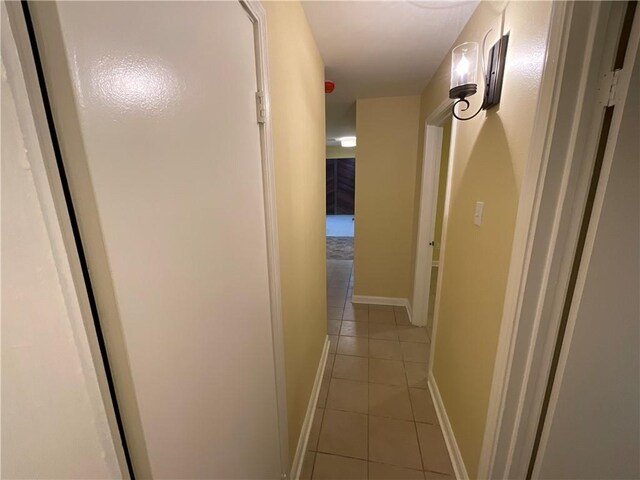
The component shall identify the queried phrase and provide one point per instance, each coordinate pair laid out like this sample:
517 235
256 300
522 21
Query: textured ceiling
380 49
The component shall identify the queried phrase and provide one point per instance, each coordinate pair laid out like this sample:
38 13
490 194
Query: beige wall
297 109
387 132
337 151
490 152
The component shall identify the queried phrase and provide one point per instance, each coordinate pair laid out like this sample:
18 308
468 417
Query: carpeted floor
340 248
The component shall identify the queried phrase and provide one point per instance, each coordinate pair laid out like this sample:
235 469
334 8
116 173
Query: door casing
433 137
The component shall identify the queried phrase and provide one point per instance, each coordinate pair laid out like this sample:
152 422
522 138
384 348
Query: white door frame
427 215
257 15
552 202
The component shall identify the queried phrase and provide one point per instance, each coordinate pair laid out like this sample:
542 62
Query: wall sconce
464 68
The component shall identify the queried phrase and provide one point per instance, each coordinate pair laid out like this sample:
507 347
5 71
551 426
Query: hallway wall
337 151
490 154
387 132
297 109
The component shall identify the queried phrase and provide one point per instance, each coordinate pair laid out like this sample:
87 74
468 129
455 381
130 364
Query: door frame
553 198
259 17
257 14
433 138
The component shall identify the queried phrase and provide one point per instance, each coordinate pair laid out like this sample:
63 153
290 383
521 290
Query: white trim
258 14
22 78
409 311
75 289
437 115
303 440
433 138
457 461
393 301
432 156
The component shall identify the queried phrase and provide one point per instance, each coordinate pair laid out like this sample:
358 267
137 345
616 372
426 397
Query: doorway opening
340 227
432 225
439 194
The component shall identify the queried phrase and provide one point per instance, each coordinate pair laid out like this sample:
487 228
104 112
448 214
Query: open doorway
435 173
341 181
439 195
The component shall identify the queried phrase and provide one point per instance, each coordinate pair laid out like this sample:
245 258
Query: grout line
313 466
415 424
427 423
368 421
320 430
378 462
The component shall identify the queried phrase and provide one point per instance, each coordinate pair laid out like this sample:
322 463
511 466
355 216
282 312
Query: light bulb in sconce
464 70
348 142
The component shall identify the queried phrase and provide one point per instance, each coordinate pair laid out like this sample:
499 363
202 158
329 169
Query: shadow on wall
474 282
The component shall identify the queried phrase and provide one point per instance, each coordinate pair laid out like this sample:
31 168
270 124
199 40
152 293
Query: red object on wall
329 86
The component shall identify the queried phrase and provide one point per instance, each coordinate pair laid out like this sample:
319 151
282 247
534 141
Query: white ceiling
380 49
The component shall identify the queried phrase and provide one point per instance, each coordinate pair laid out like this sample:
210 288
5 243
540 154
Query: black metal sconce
464 68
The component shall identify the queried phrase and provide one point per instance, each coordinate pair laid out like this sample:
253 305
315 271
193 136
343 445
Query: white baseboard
409 311
398 302
298 459
449 437
394 301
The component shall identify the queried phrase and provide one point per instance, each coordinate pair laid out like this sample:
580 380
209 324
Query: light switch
477 216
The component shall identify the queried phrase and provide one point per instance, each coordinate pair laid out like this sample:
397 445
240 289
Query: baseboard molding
298 459
409 310
393 301
449 437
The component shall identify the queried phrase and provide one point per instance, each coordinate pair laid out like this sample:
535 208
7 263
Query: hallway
375 418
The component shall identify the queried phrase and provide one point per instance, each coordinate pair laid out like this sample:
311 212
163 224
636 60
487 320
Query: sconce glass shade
464 70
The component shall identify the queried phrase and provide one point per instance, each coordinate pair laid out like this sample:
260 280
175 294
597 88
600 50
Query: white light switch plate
477 216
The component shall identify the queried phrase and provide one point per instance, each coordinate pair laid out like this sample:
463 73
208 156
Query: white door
154 104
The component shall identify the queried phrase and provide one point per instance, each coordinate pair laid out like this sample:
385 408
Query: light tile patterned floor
375 418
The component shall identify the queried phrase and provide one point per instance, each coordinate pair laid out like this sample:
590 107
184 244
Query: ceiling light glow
348 142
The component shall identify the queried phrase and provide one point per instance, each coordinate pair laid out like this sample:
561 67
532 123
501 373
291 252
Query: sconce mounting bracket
495 73
463 91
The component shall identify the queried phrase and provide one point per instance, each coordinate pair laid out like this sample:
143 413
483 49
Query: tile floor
375 418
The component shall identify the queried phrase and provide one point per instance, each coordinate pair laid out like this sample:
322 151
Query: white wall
54 423
593 428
